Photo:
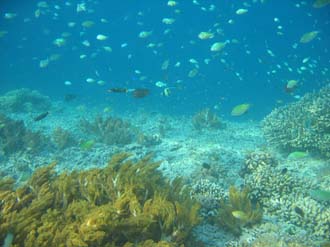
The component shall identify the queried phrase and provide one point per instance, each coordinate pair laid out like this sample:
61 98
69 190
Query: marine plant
238 211
110 130
14 137
206 119
128 203
301 126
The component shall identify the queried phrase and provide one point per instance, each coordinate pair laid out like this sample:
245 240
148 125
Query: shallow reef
303 125
206 119
14 137
110 130
128 203
282 194
24 100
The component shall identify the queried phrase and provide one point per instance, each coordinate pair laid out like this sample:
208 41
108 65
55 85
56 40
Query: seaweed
127 203
238 211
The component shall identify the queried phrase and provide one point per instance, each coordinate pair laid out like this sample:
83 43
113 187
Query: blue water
30 39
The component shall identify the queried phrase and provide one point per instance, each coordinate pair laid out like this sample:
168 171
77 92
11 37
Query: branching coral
15 137
110 130
304 125
125 204
206 119
282 194
24 100
238 211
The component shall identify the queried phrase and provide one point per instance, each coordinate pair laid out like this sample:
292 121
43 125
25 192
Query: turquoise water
81 81
261 78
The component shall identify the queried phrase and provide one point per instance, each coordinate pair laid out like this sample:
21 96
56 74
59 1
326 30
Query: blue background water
28 42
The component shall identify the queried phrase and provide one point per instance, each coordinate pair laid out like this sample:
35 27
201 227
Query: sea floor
212 156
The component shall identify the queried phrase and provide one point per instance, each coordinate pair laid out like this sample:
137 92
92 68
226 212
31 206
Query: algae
126 203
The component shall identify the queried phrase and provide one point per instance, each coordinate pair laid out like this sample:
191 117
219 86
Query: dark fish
140 92
299 211
118 90
41 116
69 97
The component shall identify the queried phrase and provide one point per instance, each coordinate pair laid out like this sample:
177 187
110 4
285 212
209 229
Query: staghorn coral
282 194
124 204
15 137
206 119
238 202
304 125
24 100
110 130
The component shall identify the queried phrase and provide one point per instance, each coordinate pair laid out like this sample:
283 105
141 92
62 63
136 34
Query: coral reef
284 195
126 203
206 119
238 211
148 140
110 130
15 137
209 195
24 100
304 125
63 138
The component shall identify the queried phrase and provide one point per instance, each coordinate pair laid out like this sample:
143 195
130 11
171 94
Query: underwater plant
206 119
238 211
126 203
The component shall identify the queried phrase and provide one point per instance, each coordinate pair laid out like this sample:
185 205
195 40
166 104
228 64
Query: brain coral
303 125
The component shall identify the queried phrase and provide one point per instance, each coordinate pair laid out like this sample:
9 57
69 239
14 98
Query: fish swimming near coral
70 97
118 90
298 155
136 92
41 116
291 86
140 93
240 109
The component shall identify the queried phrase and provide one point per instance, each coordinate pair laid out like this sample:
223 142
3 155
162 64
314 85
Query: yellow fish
240 109
308 37
240 215
320 3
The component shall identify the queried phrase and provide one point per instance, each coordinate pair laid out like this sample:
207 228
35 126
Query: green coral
238 202
126 203
110 130
206 119
303 125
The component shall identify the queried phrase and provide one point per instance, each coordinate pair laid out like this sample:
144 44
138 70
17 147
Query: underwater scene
165 123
